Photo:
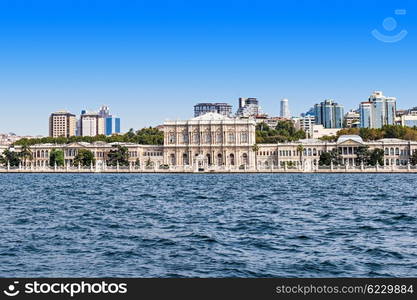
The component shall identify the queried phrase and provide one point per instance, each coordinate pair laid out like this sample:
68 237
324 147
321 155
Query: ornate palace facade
216 142
210 140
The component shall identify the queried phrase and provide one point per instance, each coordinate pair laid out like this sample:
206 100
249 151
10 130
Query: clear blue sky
153 60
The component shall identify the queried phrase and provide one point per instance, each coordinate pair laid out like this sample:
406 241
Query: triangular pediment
77 145
350 143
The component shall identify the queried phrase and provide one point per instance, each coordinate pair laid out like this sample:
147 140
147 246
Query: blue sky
153 60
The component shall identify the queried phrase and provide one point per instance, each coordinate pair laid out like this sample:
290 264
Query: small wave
380 253
403 217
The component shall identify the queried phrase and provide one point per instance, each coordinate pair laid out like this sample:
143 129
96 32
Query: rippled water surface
244 225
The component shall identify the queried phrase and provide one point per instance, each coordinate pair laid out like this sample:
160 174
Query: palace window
219 159
244 137
218 137
231 137
185 159
232 159
207 138
171 138
172 159
185 137
196 138
245 159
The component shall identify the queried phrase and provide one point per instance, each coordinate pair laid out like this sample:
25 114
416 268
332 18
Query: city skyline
227 109
154 61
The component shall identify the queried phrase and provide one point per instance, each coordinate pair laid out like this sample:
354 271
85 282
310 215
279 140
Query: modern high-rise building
377 111
91 124
220 108
111 123
248 107
285 110
116 125
365 112
329 114
62 124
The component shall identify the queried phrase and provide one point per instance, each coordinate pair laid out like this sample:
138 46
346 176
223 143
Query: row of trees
144 136
117 155
283 132
363 155
372 134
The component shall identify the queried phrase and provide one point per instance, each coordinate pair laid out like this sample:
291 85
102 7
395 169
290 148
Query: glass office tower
329 114
378 111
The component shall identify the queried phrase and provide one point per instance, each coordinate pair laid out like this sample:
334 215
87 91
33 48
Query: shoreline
412 171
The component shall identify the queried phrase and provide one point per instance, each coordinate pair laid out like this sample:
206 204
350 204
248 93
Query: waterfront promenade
223 170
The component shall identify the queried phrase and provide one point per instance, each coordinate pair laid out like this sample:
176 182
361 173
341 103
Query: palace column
177 157
190 158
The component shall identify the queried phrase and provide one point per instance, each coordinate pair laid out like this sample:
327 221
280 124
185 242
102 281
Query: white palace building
214 142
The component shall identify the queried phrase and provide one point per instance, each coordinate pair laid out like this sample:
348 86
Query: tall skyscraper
248 107
92 124
220 108
116 125
329 114
377 111
365 112
62 124
285 111
111 123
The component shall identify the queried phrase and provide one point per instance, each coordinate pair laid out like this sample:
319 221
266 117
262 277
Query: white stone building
213 142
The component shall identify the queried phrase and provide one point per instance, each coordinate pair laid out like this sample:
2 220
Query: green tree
363 155
118 154
328 138
84 158
371 134
376 156
25 153
255 148
130 135
10 157
300 149
283 132
149 163
413 158
393 131
326 158
56 157
146 136
149 136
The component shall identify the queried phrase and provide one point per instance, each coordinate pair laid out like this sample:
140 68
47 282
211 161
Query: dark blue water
208 225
